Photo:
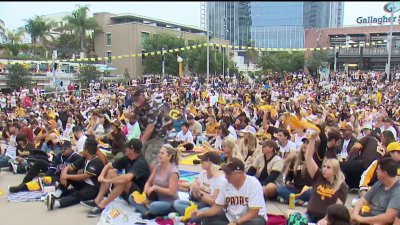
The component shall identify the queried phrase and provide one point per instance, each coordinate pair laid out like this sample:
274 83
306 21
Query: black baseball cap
65 144
134 144
210 156
235 165
138 92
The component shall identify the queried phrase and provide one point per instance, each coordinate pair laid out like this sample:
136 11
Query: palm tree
39 29
80 23
14 36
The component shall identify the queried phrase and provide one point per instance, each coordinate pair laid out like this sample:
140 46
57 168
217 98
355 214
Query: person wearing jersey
241 196
82 175
53 169
369 176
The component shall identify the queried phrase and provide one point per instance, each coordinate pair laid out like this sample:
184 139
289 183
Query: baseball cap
235 165
346 127
394 146
249 129
134 144
138 92
65 144
210 156
367 127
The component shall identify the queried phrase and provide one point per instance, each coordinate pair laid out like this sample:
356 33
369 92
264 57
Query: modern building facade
124 34
271 24
366 56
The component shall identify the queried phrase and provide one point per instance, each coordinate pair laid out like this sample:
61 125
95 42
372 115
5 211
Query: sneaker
50 202
40 182
95 212
15 189
89 204
14 167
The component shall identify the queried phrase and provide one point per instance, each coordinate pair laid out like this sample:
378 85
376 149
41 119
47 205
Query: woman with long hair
205 189
162 186
249 148
329 186
230 150
295 178
268 168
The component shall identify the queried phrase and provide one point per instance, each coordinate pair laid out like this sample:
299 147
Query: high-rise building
271 24
323 14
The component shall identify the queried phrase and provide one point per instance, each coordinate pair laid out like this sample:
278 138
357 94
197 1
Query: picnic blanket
119 212
26 196
187 175
188 160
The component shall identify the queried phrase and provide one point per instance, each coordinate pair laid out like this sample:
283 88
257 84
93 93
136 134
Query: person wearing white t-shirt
241 196
206 187
80 136
285 145
184 137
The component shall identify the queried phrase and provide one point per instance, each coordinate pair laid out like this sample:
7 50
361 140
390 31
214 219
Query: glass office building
271 24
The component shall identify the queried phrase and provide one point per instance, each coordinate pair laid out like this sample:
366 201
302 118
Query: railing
367 52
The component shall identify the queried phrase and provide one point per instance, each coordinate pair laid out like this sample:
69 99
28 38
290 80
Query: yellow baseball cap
394 146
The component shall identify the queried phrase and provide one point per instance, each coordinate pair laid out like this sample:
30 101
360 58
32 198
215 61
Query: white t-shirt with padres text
238 202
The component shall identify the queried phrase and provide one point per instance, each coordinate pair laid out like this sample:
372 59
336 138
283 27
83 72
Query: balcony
366 52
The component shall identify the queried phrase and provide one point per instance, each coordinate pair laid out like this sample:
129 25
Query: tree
317 57
66 45
88 73
281 61
39 29
14 36
18 76
197 59
153 64
79 22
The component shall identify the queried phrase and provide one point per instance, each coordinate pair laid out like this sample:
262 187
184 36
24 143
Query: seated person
249 147
137 172
25 150
162 186
241 201
184 138
295 178
328 185
53 169
381 203
85 184
229 150
204 190
369 176
268 168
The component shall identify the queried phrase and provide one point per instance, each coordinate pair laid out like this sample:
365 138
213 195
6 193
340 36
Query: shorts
151 149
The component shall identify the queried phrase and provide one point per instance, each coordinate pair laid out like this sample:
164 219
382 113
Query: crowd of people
256 142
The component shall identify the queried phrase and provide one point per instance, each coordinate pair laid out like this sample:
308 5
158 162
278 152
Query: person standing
150 115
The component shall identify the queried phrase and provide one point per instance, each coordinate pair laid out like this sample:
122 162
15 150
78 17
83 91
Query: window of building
108 57
109 39
145 35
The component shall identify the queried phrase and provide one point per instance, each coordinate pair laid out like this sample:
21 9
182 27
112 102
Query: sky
188 13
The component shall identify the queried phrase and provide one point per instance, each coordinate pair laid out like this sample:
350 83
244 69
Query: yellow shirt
211 129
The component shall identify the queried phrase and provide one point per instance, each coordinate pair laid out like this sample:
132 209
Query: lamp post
180 64
163 63
389 42
208 45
